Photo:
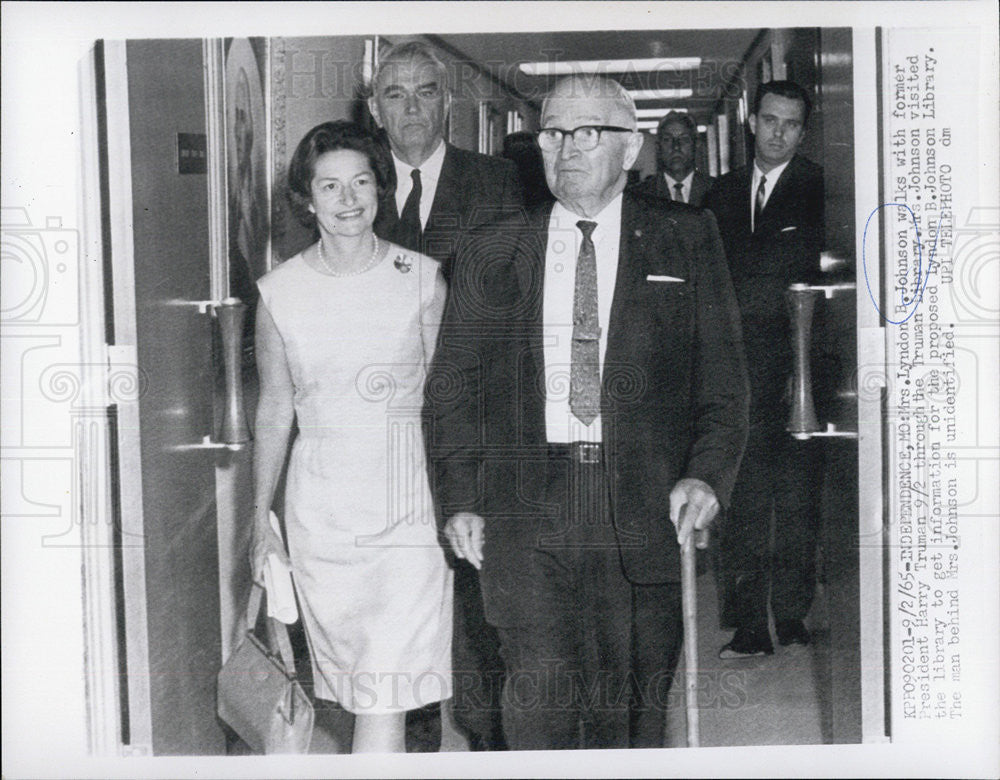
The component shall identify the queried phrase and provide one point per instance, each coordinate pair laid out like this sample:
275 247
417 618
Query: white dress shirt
772 178
685 184
430 172
563 248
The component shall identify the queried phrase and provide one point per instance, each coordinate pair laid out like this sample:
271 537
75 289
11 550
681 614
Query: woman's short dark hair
332 137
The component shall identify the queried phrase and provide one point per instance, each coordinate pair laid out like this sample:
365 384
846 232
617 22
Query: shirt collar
685 181
772 175
429 171
610 217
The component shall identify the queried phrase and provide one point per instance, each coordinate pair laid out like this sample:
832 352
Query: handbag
259 696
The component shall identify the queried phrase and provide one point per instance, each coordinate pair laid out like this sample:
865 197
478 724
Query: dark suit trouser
596 649
477 668
477 676
782 477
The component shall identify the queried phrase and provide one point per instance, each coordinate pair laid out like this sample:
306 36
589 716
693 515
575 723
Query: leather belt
578 451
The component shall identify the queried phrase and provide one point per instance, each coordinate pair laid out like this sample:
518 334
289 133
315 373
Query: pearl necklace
333 272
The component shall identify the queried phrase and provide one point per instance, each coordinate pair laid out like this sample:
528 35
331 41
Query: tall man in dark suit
771 219
676 177
589 383
442 191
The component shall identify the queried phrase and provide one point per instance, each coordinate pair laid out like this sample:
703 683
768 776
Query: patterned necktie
758 204
410 231
679 192
585 369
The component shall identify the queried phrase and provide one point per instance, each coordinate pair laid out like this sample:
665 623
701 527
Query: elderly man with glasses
589 391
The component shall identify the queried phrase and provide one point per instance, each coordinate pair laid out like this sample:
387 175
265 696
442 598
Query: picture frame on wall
239 136
247 181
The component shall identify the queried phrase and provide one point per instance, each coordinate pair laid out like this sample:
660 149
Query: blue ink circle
922 279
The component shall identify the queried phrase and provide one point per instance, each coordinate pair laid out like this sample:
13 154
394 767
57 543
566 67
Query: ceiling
721 52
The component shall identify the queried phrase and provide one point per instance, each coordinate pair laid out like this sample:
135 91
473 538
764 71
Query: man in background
441 192
771 219
676 177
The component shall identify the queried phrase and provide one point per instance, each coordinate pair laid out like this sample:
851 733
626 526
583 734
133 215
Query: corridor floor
770 700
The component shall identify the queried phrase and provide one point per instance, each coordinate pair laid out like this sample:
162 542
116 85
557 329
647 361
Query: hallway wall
313 79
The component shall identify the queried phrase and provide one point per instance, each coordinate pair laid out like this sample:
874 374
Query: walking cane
689 602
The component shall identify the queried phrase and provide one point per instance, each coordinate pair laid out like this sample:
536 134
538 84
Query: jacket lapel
700 185
449 197
744 200
626 248
786 183
529 261
636 236
662 190
387 219
649 245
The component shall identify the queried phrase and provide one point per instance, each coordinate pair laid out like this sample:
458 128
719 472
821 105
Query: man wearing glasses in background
676 177
597 388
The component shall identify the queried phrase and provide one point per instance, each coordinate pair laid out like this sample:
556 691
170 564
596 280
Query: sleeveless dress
373 585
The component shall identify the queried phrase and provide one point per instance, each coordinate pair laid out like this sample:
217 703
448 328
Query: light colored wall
469 88
313 80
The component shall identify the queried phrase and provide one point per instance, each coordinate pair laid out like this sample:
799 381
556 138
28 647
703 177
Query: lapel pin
638 234
403 264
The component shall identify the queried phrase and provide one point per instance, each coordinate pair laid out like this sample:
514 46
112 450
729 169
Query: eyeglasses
585 137
670 141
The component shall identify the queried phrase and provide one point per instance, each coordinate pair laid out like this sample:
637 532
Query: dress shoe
492 741
748 643
791 632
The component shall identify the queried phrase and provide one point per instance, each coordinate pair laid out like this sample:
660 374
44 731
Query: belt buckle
588 452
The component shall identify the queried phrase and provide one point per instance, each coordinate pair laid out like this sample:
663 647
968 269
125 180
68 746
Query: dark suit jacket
473 189
674 391
783 250
656 185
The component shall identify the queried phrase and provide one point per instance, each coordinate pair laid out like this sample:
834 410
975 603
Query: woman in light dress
345 334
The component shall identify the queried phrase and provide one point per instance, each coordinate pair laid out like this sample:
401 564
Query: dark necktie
679 192
758 204
585 369
410 231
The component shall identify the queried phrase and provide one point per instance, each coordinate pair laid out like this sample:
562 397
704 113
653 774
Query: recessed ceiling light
660 94
572 67
656 113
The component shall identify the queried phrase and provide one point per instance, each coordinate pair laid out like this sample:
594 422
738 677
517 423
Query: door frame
118 706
